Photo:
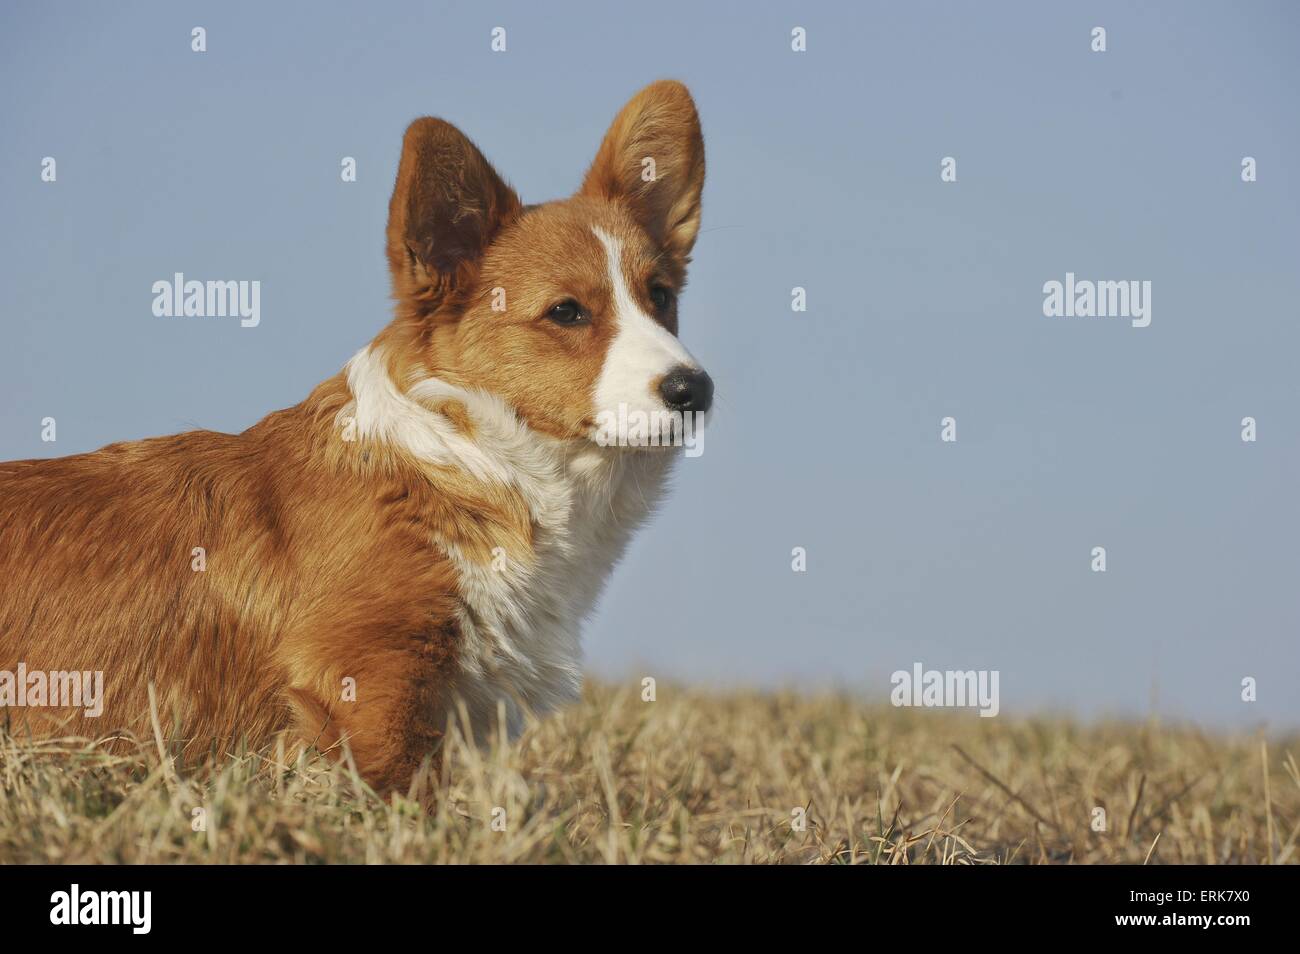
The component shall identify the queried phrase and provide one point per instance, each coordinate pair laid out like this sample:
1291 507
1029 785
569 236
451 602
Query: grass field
691 777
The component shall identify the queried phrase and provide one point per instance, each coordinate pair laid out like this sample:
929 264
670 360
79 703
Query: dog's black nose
687 389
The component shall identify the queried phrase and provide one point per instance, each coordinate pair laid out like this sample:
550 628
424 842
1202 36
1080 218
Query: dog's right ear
447 205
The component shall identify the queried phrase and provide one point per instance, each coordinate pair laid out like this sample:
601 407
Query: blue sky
924 301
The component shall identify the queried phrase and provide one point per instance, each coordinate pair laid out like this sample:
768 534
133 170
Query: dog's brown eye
661 297
566 313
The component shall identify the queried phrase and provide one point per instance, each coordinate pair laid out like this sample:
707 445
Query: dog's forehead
569 233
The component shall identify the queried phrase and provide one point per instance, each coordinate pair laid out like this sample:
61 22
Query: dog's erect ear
652 160
447 205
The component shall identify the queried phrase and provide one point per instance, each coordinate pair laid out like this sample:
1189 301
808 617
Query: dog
424 534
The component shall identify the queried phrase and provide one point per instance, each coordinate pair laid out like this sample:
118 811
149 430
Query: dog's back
221 569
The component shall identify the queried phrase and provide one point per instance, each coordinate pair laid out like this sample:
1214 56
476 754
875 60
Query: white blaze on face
642 350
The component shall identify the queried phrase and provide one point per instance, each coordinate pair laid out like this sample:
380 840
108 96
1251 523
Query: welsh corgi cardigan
430 525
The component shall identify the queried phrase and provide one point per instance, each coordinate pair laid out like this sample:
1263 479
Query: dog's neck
521 612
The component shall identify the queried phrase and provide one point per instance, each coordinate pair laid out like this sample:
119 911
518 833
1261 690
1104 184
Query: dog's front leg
389 709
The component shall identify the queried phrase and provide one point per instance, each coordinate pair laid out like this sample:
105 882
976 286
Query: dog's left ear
448 205
652 160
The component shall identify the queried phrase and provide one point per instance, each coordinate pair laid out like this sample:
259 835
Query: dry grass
692 777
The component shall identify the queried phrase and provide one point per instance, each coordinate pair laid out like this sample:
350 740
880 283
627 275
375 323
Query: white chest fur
520 622
521 625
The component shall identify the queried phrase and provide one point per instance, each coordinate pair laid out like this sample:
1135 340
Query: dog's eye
566 313
661 297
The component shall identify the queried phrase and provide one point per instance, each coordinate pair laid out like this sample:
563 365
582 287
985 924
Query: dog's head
567 310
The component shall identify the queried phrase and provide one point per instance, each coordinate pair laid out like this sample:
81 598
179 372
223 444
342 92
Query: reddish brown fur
324 558
314 572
